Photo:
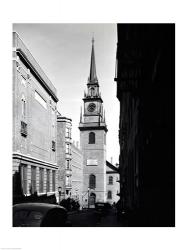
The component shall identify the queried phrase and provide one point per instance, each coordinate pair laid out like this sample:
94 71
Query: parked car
39 215
70 204
102 207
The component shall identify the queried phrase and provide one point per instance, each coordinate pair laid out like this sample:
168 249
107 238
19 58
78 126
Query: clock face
91 107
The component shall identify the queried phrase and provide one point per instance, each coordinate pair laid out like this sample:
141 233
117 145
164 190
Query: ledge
31 159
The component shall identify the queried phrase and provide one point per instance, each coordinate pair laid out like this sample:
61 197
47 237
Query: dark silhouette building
145 76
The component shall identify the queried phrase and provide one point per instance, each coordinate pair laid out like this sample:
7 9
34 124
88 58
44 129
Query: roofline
27 57
110 165
112 172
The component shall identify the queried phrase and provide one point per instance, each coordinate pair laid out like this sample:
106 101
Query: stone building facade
64 155
112 183
145 76
93 131
77 173
34 125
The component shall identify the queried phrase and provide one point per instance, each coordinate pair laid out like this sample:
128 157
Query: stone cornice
92 99
31 160
81 128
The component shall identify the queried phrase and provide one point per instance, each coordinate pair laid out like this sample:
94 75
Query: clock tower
93 131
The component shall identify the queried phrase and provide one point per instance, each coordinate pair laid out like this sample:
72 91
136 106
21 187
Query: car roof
42 207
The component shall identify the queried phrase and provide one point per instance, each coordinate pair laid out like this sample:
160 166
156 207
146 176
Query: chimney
111 160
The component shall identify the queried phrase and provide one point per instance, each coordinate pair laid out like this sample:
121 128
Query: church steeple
92 77
93 131
92 114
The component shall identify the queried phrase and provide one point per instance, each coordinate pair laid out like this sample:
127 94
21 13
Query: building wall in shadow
145 76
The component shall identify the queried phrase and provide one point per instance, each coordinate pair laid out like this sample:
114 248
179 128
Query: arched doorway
92 199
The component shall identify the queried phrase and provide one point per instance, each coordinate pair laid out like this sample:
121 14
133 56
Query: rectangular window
67 164
53 146
110 180
41 180
68 149
53 180
24 178
68 181
33 179
48 180
40 99
68 132
23 128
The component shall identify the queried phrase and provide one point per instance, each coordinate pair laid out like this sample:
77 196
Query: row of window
33 187
92 181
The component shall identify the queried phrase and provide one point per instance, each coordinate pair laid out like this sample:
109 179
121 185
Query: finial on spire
93 39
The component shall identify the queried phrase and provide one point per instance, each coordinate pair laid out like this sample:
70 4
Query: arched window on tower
91 138
92 181
92 91
109 195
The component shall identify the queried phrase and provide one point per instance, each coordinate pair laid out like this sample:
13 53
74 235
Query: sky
63 51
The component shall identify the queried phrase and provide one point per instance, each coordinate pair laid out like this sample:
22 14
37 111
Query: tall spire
92 77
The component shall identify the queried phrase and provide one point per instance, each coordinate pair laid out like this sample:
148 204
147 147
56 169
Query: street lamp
59 192
88 196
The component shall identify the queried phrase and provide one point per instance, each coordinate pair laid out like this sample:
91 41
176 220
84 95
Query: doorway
92 199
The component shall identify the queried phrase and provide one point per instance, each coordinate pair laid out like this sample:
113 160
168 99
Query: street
92 218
